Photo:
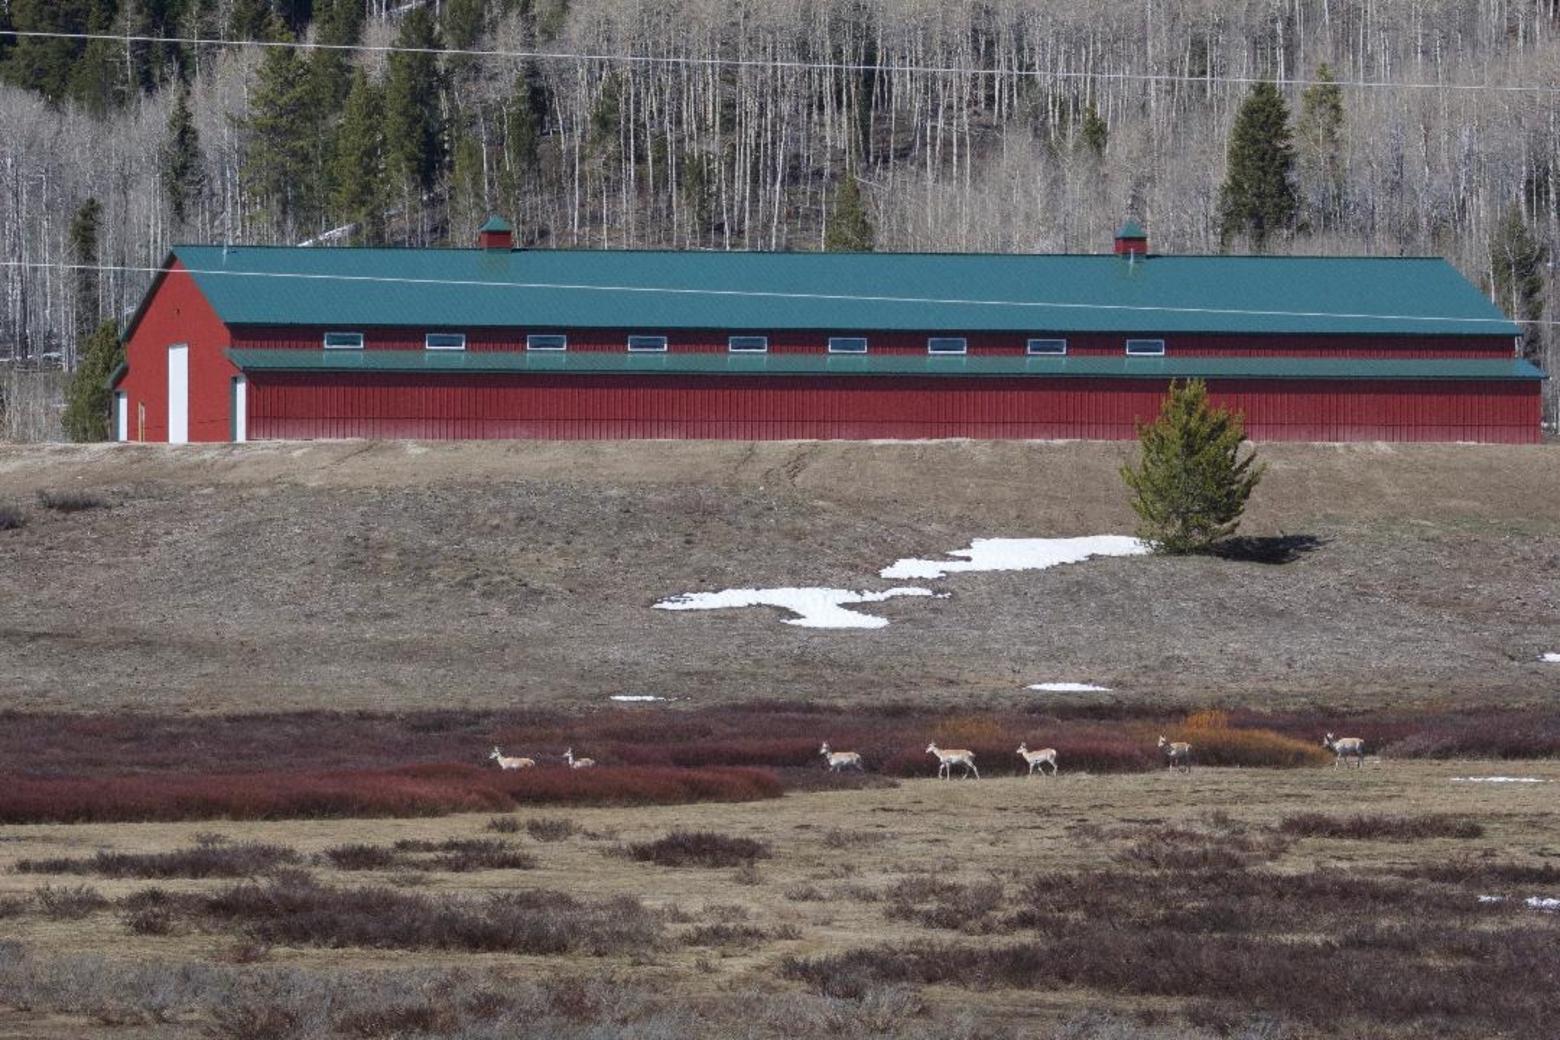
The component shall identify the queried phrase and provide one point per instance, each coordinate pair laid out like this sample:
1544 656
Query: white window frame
835 349
647 344
532 341
1029 348
964 345
1141 343
761 347
428 343
343 346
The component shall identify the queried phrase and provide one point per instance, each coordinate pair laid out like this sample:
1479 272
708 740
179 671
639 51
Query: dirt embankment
416 576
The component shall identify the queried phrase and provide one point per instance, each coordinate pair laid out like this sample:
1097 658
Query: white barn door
121 416
240 410
179 394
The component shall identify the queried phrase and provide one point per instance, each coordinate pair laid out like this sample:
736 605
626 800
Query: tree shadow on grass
1283 548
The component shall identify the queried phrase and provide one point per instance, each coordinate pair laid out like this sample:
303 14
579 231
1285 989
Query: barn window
1145 347
847 344
343 341
945 345
748 344
1047 346
547 343
650 343
445 341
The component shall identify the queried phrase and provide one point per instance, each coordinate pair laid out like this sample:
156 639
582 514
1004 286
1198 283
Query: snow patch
1017 554
813 607
1498 780
1552 658
1544 903
1070 687
635 698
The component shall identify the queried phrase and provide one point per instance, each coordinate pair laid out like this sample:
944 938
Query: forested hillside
1009 125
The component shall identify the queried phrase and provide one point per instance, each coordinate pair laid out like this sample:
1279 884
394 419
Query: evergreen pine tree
1517 262
413 122
249 20
87 398
850 228
522 142
1094 134
1258 196
45 64
1191 484
84 229
1319 134
183 166
277 162
358 165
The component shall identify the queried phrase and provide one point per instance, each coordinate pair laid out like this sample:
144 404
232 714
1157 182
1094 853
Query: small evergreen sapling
1192 483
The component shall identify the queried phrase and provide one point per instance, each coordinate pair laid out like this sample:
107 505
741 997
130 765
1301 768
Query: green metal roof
496 223
1132 229
597 362
460 289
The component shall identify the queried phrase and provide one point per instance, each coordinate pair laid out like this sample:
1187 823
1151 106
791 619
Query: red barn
248 342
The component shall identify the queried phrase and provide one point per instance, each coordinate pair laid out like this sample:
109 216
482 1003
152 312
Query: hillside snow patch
1018 554
1550 658
813 607
1070 687
1497 780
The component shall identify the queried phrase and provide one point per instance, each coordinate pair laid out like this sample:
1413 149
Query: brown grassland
247 695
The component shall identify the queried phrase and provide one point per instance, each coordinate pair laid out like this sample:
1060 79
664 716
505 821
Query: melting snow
635 697
1498 780
1536 902
813 607
1550 658
1070 687
1018 554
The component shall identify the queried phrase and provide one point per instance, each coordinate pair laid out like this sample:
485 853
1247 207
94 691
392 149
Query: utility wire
771 294
775 63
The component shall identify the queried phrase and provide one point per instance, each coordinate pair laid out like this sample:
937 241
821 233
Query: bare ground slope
406 576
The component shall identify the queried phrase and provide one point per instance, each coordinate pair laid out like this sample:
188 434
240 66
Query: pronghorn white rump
1038 759
813 607
1178 752
1017 554
1345 747
841 759
505 762
577 763
947 757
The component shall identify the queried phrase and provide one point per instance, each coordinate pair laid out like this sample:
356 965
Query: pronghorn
1038 758
947 758
578 763
1178 752
1345 747
841 759
505 762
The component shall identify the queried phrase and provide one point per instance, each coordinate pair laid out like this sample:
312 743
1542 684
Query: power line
775 295
775 63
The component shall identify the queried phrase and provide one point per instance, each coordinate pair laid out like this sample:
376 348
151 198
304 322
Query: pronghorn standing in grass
505 762
578 763
1038 759
1346 747
841 759
1179 753
950 757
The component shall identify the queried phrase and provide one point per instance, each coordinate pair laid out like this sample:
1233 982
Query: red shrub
632 785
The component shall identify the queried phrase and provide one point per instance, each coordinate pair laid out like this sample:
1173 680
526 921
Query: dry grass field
399 577
247 694
1230 924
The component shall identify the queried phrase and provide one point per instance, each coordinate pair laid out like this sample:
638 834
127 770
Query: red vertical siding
290 406
177 313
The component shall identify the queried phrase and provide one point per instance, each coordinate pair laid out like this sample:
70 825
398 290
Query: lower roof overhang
968 366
